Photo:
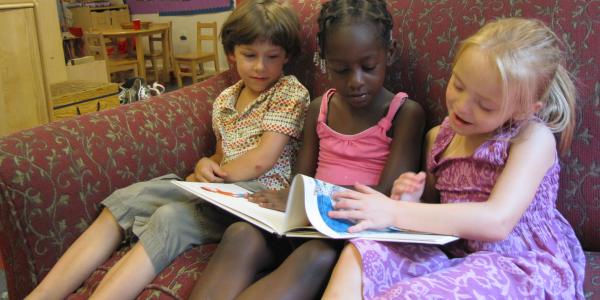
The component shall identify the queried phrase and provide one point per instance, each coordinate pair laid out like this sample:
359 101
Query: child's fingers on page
272 206
338 214
257 197
346 194
350 214
361 226
345 203
365 189
265 204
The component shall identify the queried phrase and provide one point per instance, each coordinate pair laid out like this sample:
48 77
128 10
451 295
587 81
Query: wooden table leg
139 50
166 54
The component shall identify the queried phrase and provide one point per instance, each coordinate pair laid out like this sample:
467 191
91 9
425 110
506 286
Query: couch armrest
52 177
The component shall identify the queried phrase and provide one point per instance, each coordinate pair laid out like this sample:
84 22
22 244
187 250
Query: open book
308 203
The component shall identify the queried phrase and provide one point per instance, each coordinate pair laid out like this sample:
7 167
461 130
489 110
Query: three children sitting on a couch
508 92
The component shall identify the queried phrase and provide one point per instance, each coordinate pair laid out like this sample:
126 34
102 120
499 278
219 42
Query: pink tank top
348 159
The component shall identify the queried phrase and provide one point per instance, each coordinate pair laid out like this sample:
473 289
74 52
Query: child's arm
248 166
491 220
421 186
207 169
306 163
430 194
257 161
406 147
308 155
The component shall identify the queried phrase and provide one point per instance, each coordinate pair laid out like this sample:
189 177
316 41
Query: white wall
185 26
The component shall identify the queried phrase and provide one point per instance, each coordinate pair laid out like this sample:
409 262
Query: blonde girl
493 166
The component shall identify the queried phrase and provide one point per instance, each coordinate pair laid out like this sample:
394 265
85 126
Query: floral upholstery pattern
53 177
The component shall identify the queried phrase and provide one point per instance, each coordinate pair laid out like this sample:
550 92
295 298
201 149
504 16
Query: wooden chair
95 45
155 53
192 63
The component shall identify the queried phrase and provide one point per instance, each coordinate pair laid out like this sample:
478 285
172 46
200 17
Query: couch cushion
592 275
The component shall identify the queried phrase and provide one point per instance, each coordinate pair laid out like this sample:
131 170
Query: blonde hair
528 56
272 20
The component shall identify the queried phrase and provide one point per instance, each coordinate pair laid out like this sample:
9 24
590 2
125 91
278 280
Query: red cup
137 24
76 31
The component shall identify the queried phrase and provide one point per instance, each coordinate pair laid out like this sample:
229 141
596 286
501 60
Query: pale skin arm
248 166
491 220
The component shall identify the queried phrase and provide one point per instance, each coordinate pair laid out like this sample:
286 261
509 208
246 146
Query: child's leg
128 277
301 276
242 253
90 250
172 229
345 282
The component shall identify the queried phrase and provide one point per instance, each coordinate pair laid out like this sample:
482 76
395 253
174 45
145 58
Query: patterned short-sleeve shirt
280 109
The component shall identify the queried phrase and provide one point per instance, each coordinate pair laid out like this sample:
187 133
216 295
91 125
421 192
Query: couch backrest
428 32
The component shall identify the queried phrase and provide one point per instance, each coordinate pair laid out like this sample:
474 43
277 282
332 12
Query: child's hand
207 171
369 208
272 199
409 187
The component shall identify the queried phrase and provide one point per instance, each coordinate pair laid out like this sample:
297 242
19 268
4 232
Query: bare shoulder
432 134
535 134
315 106
411 110
535 144
409 119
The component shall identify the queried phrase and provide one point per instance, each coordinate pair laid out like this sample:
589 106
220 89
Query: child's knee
349 252
243 234
317 256
350 256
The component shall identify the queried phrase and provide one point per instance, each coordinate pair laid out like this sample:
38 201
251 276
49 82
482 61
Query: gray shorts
167 219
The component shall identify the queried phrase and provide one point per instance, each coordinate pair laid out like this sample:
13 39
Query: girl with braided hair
358 131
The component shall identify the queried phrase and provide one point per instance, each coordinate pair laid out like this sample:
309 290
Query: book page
295 213
268 219
319 201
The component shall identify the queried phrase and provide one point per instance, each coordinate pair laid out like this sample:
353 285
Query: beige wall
185 26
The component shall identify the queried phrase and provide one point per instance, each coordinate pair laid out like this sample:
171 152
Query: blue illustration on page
324 191
325 203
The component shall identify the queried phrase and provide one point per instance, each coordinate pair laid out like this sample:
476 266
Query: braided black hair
336 12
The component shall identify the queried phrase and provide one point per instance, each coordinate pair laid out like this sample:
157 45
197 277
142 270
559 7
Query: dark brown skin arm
430 194
308 155
306 162
406 148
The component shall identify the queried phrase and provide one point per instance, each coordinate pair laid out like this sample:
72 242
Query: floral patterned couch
53 177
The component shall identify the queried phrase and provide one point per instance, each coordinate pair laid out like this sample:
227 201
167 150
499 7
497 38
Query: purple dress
540 259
